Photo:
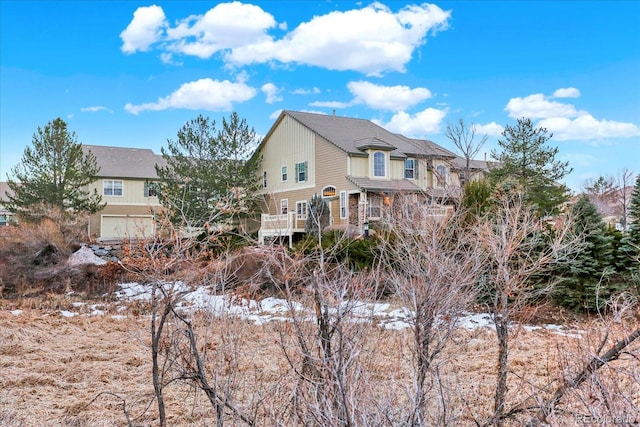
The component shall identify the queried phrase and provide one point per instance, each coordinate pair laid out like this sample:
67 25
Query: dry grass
80 371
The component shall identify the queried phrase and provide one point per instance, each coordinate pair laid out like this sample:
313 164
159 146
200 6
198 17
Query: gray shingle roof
120 162
355 135
380 185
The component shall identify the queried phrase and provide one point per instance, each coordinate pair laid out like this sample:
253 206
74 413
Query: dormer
379 153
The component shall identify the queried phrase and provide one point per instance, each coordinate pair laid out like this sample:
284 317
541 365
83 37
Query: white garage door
118 227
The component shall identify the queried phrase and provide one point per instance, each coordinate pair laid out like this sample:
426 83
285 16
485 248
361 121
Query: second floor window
410 168
151 189
284 175
112 187
301 172
379 164
441 174
264 179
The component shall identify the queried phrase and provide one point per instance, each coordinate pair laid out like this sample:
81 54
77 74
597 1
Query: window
301 172
379 164
112 188
374 206
301 210
329 191
284 206
151 189
410 169
343 204
264 179
3 220
284 175
441 174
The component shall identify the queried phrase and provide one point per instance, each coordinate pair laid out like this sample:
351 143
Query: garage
119 227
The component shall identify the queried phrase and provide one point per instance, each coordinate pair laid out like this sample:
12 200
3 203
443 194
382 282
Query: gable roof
354 136
461 163
120 162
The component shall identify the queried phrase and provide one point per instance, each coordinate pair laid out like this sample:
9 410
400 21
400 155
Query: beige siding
290 143
132 193
95 225
359 166
397 169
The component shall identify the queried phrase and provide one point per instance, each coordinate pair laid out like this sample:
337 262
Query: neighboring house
357 166
5 215
127 182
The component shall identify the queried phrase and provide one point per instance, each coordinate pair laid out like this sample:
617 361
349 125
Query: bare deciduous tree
516 249
463 138
433 266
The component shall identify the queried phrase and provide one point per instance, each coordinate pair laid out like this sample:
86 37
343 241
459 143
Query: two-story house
354 164
127 181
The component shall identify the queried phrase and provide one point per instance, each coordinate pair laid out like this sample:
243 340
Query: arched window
441 174
329 191
379 164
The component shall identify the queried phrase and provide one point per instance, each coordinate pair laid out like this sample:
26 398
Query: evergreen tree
54 174
630 243
210 176
527 159
319 216
585 280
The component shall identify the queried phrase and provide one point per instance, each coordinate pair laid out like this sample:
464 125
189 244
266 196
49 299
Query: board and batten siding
132 192
359 166
289 143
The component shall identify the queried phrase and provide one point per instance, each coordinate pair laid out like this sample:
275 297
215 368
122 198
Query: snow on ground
385 315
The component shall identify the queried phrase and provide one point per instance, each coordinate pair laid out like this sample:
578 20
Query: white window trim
284 173
306 171
414 168
385 164
326 187
284 203
304 215
344 205
112 181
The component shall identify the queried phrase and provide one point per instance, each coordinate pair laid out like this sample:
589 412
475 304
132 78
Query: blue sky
131 73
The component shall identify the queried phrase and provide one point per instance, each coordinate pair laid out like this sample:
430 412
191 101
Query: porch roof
386 185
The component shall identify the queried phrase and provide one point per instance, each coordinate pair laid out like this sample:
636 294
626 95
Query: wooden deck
284 225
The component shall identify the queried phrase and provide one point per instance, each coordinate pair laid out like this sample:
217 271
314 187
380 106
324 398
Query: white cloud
314 91
144 29
275 114
536 106
392 98
371 40
586 127
490 129
331 104
567 92
203 94
422 123
565 121
271 91
95 109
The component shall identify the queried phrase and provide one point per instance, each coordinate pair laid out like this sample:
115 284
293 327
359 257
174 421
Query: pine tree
630 243
526 159
585 281
210 175
54 174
